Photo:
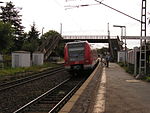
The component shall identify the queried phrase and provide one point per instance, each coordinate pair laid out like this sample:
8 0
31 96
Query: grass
130 69
146 78
121 64
12 71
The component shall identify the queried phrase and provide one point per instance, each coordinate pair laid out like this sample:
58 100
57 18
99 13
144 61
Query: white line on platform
99 106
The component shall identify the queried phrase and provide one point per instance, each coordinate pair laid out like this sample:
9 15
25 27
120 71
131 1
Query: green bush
147 78
130 68
121 64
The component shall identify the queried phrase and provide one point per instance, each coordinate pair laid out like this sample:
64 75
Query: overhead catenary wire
78 6
117 10
101 2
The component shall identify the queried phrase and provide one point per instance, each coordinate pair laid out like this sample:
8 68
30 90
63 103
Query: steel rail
58 106
24 80
46 95
41 96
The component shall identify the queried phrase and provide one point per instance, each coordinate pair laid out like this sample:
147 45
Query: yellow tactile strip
99 106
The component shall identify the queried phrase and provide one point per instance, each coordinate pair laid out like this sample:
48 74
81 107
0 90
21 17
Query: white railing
88 37
135 37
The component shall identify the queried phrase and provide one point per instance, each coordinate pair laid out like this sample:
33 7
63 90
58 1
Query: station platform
110 90
83 98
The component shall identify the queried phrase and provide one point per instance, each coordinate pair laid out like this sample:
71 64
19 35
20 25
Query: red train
79 56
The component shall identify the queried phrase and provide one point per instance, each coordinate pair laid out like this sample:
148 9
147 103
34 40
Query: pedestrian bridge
89 38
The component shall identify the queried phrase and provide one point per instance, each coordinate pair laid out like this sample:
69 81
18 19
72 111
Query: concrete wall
121 56
132 55
37 58
21 59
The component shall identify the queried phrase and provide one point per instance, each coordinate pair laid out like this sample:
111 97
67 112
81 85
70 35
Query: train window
76 55
76 51
75 45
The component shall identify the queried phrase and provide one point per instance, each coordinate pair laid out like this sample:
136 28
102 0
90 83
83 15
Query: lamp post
42 30
125 38
61 28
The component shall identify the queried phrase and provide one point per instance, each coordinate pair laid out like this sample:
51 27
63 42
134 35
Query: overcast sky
90 20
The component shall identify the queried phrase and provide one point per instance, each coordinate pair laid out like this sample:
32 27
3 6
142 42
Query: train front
77 56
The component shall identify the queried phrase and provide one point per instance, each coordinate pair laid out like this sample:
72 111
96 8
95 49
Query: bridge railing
136 37
88 37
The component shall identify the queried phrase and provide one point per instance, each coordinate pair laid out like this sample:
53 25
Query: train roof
75 42
81 42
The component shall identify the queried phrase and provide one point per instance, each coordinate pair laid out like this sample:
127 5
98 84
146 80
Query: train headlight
67 62
86 61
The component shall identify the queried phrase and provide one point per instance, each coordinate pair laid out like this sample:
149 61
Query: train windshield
76 51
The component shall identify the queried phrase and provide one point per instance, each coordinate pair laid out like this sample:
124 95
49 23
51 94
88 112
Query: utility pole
120 26
110 44
142 62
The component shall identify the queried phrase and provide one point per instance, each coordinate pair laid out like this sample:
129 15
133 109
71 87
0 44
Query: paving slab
125 94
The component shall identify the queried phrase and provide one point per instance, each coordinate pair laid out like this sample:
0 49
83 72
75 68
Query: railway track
53 99
31 78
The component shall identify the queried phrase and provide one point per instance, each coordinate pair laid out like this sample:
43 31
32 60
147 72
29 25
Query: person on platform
107 58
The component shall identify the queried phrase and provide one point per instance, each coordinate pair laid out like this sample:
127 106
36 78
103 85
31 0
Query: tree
33 34
10 14
50 36
103 51
6 37
31 42
60 49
